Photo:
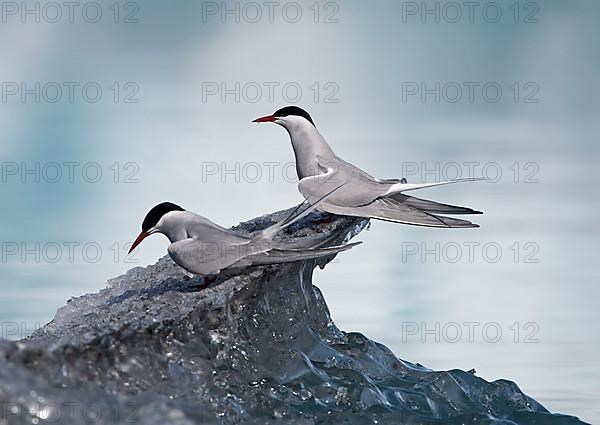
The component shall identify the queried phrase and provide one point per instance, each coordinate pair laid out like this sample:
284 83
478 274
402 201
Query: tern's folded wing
389 209
206 258
355 187
432 206
276 256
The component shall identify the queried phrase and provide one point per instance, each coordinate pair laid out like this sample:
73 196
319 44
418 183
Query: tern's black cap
156 213
293 110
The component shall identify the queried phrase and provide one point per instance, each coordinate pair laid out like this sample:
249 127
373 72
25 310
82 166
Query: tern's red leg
206 281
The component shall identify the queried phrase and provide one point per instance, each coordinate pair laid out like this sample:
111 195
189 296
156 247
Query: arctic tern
202 247
319 170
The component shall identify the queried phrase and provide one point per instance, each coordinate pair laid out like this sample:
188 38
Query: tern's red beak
138 240
268 118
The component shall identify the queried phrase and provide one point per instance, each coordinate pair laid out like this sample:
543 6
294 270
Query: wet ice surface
255 347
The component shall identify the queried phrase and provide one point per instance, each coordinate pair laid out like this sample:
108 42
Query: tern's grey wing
354 188
364 196
276 256
206 258
207 231
389 209
432 206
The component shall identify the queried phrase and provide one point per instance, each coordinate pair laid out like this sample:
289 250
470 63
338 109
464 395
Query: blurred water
159 149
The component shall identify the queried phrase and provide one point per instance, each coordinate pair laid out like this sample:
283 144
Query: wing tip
460 226
464 211
437 226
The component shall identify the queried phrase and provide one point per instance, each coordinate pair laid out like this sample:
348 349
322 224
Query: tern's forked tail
405 187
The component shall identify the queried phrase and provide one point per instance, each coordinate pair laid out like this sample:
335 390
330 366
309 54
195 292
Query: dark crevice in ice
255 347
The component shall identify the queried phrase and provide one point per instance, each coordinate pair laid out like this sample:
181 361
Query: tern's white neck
308 143
175 225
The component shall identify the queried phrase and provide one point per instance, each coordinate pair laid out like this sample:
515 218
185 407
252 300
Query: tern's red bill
268 118
138 240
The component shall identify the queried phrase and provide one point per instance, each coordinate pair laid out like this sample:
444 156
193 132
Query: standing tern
360 194
202 247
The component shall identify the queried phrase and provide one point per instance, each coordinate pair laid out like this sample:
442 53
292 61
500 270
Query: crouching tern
202 247
319 169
